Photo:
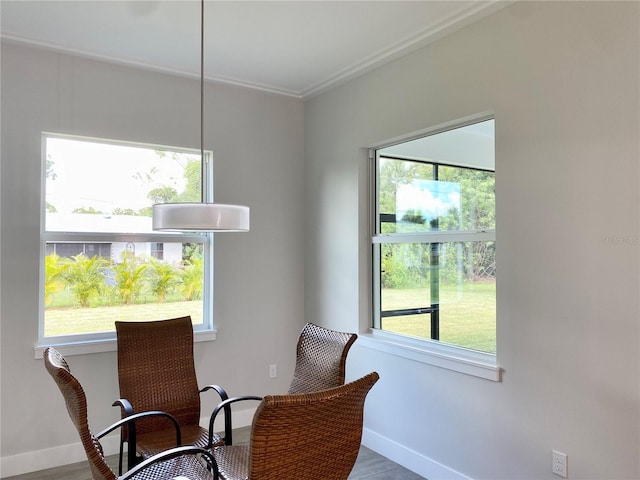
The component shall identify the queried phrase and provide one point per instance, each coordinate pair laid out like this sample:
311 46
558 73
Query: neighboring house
170 252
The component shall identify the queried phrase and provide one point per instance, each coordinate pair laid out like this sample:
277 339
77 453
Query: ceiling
296 48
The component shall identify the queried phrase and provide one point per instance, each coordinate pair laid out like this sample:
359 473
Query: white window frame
452 357
106 341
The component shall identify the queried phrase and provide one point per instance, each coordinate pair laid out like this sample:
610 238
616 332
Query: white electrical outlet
273 370
559 463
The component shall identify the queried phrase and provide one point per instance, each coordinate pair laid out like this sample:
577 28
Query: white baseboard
34 461
52 457
410 459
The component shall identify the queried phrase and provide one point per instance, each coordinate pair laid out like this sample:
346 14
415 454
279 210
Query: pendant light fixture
203 216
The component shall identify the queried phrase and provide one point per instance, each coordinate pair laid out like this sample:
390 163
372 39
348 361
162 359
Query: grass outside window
73 321
467 314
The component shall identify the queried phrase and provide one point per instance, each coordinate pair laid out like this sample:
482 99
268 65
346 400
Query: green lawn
69 321
467 316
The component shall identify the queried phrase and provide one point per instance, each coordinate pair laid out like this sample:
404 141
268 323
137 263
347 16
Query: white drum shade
200 217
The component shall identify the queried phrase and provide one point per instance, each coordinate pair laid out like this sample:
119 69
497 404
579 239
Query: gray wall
562 79
257 140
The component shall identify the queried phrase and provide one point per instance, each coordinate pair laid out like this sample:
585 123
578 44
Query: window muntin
102 260
434 244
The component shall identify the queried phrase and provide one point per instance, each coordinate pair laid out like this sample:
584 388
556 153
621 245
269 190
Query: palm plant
192 279
53 279
128 277
85 276
162 278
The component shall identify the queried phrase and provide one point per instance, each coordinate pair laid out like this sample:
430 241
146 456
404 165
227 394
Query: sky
107 176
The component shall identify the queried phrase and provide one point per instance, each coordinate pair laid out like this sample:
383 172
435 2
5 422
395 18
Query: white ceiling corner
294 48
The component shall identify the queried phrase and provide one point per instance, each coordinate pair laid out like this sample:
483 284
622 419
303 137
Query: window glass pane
474 199
468 295
417 325
398 181
88 294
419 197
455 281
444 181
129 272
406 266
437 278
68 249
103 187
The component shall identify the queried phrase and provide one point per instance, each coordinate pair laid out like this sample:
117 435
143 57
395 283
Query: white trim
34 461
105 345
81 53
437 236
53 457
462 360
408 458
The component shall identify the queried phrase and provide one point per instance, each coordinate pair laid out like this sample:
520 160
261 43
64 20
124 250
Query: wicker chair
321 357
305 436
156 371
192 462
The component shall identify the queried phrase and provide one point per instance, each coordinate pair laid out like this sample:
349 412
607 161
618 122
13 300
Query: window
102 261
434 250
157 250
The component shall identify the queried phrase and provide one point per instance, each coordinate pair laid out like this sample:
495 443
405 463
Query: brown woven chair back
321 358
309 436
76 402
156 370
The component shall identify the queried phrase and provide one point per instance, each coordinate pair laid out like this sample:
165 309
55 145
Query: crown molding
457 20
464 16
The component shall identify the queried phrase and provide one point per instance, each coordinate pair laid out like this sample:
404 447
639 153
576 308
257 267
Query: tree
145 212
123 211
50 173
162 194
192 173
89 210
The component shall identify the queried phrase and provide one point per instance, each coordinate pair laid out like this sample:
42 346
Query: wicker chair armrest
221 391
127 434
169 454
125 405
228 428
130 422
131 419
226 406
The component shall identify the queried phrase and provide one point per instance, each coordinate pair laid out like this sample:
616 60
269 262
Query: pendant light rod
203 216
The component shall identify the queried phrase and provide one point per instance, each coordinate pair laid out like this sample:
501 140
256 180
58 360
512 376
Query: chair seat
189 467
233 461
152 443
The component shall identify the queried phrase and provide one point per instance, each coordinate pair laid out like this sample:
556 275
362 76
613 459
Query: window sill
462 360
107 345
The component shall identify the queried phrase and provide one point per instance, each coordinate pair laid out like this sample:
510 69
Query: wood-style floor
369 466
